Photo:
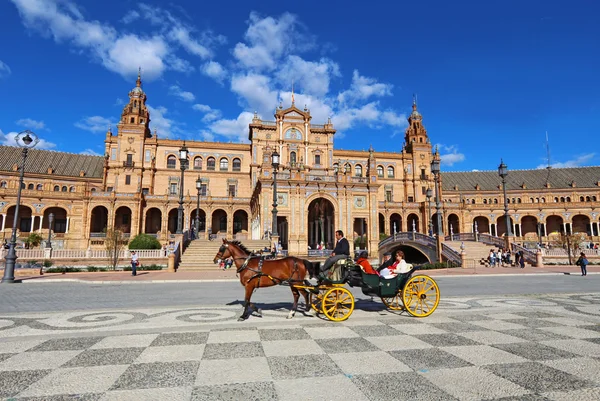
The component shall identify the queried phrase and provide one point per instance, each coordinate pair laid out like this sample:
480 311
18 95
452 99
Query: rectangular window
129 158
203 190
423 191
317 159
231 191
388 196
423 174
127 180
148 157
173 188
145 191
409 168
411 199
113 154
109 189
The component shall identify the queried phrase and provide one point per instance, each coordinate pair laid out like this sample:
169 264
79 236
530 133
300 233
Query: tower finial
414 106
293 93
138 83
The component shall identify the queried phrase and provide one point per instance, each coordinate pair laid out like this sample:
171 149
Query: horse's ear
224 241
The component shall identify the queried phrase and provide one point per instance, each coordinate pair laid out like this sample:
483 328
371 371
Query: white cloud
132 15
89 152
256 92
94 124
236 130
183 95
8 139
362 88
207 136
181 35
164 126
210 114
129 52
580 160
449 155
312 77
4 70
31 124
214 70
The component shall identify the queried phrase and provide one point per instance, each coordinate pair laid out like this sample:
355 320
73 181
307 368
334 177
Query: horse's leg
257 310
306 301
247 303
295 305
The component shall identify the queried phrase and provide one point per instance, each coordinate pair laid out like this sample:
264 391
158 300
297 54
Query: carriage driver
341 251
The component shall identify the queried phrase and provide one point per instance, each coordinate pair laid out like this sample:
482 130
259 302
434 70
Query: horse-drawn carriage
418 294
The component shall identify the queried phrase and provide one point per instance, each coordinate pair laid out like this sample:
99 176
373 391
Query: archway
99 220
172 221
434 223
202 215
24 224
481 224
453 222
60 219
395 223
240 221
321 223
381 221
554 224
219 222
153 221
412 255
529 227
501 226
413 222
123 220
581 224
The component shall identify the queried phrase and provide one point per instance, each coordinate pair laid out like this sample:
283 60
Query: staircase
200 253
474 251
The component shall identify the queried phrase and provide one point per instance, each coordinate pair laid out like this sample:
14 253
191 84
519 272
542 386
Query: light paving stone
473 383
292 347
130 341
233 350
227 371
95 379
171 353
37 360
505 316
157 375
5 356
459 327
235 392
283 334
535 351
565 321
13 382
498 325
401 342
586 394
365 322
447 339
534 335
186 338
234 336
332 388
337 345
492 337
584 368
355 363
174 393
536 377
480 355
330 332
399 386
579 347
292 367
111 356
374 331
428 359
471 317
416 329
532 323
67 344
63 397
10 347
573 332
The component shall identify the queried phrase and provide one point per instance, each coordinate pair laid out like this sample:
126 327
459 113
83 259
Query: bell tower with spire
416 132
135 116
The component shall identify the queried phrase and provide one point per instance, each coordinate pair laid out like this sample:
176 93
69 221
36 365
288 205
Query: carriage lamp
503 173
275 160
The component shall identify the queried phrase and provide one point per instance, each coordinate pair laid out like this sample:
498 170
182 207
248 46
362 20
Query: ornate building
135 187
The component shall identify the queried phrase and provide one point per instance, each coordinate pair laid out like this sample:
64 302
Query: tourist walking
134 263
582 262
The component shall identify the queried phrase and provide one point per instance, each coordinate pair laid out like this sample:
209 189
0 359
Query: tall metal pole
50 221
503 172
438 206
180 208
429 222
198 213
274 229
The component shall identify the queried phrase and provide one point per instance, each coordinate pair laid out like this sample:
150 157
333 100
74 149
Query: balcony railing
128 164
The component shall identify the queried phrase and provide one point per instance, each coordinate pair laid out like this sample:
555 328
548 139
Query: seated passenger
398 267
364 264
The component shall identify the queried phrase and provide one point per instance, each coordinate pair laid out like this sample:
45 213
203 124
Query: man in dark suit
341 251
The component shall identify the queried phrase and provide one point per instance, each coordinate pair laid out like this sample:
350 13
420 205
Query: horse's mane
241 246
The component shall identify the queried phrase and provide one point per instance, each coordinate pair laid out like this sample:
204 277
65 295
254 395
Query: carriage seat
376 285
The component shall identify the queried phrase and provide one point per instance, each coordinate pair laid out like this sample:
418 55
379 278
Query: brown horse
253 275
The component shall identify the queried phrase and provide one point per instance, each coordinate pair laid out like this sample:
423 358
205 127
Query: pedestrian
582 262
522 259
134 263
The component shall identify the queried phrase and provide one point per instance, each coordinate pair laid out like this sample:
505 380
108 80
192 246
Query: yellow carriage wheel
338 304
316 301
395 302
421 296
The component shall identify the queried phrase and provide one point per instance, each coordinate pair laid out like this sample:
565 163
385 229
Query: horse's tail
312 267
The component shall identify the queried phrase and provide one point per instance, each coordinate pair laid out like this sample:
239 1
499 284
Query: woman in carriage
398 267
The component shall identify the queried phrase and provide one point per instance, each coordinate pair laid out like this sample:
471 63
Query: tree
33 240
571 243
114 244
144 241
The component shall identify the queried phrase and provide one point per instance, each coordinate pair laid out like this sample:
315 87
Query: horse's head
224 251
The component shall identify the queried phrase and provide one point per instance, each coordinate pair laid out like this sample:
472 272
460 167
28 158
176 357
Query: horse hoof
242 318
259 311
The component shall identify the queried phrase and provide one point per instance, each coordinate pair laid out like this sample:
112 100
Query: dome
415 113
137 89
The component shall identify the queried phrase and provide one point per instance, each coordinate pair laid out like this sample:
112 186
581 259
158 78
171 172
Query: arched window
210 163
93 189
543 200
593 199
64 188
581 199
358 170
198 163
292 158
223 164
71 189
336 167
39 187
23 185
568 199
236 164
507 200
562 199
30 186
3 184
588 199
530 200
495 200
171 162
556 199
390 170
485 201
56 188
379 171
473 202
518 200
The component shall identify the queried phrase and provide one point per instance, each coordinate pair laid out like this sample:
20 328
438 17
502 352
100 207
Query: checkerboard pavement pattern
517 355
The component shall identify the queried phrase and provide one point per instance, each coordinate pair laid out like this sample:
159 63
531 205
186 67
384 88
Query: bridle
220 255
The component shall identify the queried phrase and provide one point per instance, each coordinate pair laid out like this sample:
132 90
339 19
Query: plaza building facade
135 187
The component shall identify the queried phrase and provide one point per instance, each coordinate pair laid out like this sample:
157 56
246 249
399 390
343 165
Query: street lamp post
435 169
198 188
26 140
503 172
429 194
275 164
183 159
50 222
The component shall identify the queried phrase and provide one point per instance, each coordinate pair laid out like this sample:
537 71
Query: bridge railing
460 237
409 236
528 254
491 240
451 255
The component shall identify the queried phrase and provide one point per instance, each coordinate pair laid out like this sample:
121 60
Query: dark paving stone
67 344
235 392
399 386
5 356
13 382
533 323
536 315
458 327
63 397
188 338
283 334
535 335
292 367
538 378
595 327
535 351
111 356
233 350
157 375
524 397
430 358
592 340
375 331
471 318
446 340
405 319
343 345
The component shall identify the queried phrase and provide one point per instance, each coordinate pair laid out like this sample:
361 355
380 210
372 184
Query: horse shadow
274 306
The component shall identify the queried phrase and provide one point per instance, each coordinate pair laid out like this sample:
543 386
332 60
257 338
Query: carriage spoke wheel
395 302
421 296
338 304
316 301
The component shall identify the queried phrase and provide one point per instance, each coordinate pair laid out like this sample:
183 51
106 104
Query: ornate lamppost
183 160
198 188
503 172
50 223
435 169
26 140
429 194
275 164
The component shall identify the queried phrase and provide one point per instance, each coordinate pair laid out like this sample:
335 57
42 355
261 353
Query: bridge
425 245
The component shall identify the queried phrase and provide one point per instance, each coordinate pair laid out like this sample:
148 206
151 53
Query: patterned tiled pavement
507 348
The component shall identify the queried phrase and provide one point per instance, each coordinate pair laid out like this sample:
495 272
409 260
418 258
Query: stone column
3 221
33 225
67 226
565 227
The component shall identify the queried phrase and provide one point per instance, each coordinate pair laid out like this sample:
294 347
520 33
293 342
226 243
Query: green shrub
48 263
436 265
144 241
383 236
63 270
96 269
144 268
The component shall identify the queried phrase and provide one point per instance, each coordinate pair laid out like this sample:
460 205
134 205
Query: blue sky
491 77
